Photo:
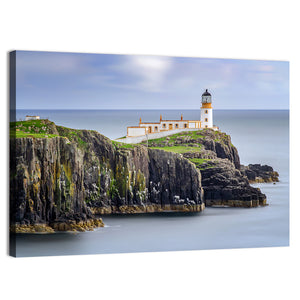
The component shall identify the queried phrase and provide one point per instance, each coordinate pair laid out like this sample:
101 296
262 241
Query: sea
261 136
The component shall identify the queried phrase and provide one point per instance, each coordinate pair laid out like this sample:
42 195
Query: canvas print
138 153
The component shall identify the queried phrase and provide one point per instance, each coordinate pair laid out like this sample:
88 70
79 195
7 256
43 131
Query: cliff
226 185
225 181
204 144
259 173
60 178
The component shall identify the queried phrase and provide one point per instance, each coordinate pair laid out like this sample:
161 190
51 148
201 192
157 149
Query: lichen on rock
224 180
65 180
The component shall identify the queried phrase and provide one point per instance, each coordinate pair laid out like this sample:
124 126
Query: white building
206 121
27 118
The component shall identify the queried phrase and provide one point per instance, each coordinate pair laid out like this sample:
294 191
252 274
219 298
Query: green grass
22 134
31 128
199 162
124 145
217 136
74 135
41 129
178 149
172 138
27 124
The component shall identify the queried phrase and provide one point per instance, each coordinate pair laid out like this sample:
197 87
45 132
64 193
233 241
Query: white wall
135 131
152 125
208 115
139 139
161 128
32 118
180 124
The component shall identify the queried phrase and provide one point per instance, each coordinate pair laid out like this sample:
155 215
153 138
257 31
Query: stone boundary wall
151 136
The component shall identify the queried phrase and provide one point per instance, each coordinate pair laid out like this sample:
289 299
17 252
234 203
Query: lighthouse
206 111
161 128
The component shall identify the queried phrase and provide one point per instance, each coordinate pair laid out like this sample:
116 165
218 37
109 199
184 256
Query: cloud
265 68
149 73
89 78
267 77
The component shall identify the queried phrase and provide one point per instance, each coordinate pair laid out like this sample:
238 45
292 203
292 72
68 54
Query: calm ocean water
260 136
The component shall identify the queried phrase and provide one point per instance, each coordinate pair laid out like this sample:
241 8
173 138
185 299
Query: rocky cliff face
46 184
227 186
259 173
137 179
204 143
224 180
64 180
174 181
60 178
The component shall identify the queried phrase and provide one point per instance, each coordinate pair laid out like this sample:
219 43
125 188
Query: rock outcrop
174 181
225 185
63 181
209 143
259 173
224 180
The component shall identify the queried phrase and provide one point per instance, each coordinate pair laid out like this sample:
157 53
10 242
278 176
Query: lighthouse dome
206 93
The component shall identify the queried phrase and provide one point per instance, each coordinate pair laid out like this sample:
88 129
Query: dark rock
177 177
223 184
67 178
259 173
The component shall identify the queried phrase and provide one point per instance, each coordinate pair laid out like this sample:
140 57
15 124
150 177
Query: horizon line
158 109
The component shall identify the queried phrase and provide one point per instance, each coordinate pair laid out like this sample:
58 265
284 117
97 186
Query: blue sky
54 80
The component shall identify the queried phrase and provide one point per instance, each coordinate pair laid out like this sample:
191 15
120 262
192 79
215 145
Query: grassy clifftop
45 129
190 137
33 128
198 146
202 144
111 176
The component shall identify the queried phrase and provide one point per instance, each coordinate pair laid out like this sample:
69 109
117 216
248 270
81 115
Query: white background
257 29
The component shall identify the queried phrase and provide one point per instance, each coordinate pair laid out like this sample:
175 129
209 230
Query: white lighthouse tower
206 111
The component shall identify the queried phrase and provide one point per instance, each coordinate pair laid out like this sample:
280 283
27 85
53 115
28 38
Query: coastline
223 225
68 226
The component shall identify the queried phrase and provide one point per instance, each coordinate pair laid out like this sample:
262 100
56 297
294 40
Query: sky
55 80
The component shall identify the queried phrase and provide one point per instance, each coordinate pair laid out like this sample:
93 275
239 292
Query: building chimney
181 117
160 117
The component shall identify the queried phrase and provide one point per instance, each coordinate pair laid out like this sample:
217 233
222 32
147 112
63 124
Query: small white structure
27 118
206 121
